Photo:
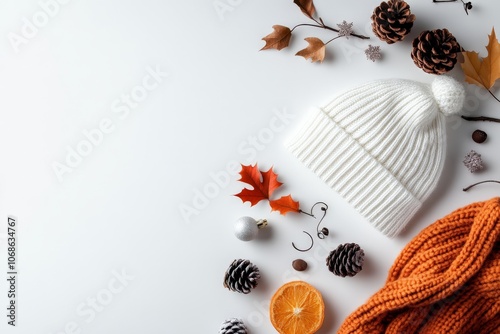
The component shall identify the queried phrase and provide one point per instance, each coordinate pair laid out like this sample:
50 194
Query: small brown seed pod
299 265
479 136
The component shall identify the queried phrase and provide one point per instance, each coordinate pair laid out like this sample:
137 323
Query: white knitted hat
382 146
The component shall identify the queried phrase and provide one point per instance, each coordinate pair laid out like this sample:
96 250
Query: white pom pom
449 94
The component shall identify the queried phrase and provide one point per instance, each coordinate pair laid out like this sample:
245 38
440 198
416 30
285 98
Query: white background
118 210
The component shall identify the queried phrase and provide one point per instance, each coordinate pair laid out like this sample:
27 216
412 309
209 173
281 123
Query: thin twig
481 118
309 248
333 39
324 26
489 91
475 184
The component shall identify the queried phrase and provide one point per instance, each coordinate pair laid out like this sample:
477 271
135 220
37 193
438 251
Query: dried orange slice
297 308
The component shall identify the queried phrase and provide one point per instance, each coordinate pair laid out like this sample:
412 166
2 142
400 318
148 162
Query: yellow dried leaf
492 68
472 68
483 72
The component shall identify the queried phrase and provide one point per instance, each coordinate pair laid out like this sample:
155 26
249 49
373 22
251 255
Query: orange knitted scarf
445 281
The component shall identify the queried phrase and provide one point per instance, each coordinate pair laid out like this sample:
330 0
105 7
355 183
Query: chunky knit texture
382 146
446 280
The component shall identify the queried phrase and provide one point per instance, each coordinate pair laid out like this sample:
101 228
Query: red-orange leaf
262 184
278 39
306 6
284 205
315 50
270 181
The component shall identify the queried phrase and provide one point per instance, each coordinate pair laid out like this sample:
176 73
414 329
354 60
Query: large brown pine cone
435 51
346 260
392 21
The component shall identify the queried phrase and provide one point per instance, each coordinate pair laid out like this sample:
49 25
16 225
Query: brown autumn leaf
483 72
278 39
284 205
306 6
315 50
263 184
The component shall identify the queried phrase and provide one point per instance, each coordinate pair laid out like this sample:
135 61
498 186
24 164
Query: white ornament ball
246 229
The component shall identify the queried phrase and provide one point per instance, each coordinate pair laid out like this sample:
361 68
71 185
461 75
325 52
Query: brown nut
479 136
299 265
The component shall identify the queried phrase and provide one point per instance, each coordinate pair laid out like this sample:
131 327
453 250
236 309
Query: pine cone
435 51
241 276
346 260
392 21
233 326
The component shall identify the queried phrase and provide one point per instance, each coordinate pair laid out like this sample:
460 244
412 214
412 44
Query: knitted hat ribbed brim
344 165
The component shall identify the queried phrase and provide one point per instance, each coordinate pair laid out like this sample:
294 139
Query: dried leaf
278 39
284 205
306 6
315 50
483 72
263 184
472 67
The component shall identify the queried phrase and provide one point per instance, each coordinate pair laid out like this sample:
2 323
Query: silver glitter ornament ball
247 228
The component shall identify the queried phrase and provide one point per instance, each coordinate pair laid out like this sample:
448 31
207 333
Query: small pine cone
346 260
435 51
233 326
392 21
241 276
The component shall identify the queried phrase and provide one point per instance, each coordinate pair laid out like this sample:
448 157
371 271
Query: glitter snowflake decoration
345 29
373 53
473 161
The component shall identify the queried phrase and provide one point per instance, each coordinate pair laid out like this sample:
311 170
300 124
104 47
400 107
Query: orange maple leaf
284 205
315 50
306 6
263 184
483 72
278 39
